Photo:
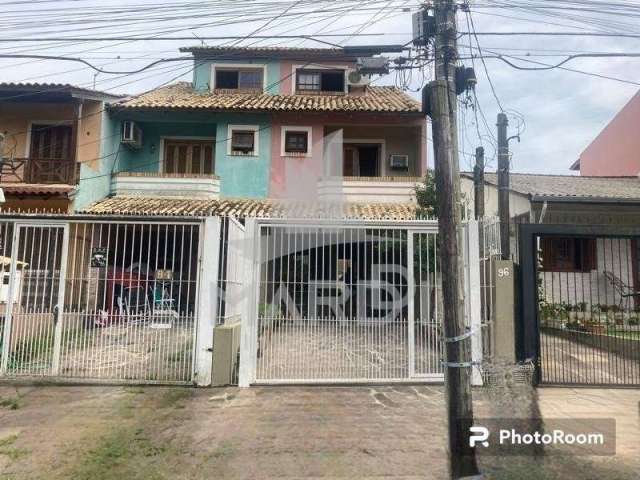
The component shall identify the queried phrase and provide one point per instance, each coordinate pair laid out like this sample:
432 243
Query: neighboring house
596 271
295 123
616 150
52 138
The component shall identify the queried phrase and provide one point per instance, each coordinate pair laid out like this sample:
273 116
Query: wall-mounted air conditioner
399 162
131 134
357 79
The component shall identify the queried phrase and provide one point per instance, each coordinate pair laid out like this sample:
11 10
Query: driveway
274 433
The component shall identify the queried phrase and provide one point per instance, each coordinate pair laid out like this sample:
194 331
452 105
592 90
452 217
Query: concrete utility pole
462 458
478 182
503 186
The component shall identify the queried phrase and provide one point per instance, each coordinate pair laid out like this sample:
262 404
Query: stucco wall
15 120
616 151
95 175
244 176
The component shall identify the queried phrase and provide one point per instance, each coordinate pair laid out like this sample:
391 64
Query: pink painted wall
297 177
616 151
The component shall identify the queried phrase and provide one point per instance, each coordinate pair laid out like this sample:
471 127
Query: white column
249 328
207 309
474 296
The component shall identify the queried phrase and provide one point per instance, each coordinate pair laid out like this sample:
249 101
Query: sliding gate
347 302
99 300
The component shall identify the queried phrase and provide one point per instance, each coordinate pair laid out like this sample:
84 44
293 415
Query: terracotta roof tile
123 205
183 96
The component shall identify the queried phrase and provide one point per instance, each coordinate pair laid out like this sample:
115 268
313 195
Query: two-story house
615 152
271 122
51 136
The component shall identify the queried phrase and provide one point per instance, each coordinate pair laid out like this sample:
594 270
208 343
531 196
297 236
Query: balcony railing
368 189
176 185
39 170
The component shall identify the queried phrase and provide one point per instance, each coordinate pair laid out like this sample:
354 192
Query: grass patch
124 453
8 449
12 403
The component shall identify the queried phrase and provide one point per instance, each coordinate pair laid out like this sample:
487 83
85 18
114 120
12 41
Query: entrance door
189 156
361 160
31 343
51 155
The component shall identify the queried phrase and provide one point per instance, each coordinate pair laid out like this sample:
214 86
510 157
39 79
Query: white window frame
238 66
294 75
256 139
164 139
283 136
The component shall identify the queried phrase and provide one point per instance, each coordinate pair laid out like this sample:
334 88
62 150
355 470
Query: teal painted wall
202 74
244 176
147 158
240 176
95 184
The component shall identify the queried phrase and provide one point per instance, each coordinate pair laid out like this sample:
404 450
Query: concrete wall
616 151
519 204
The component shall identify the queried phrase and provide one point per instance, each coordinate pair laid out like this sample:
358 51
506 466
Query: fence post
249 320
207 300
474 295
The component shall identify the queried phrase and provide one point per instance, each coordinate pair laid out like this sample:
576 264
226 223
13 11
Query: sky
557 112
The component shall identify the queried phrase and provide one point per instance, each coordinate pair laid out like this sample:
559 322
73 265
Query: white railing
368 189
166 185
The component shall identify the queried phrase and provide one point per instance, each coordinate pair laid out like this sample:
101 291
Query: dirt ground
56 432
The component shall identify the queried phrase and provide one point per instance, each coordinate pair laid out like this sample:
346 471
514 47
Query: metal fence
99 300
588 291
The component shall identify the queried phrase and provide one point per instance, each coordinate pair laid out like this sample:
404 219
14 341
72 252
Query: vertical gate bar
58 313
6 343
411 303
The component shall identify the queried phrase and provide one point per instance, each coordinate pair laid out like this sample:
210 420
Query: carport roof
257 208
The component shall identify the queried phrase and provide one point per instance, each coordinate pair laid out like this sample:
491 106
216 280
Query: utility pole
462 457
503 186
478 181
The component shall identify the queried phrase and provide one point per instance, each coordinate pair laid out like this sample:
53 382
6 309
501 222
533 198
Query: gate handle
55 313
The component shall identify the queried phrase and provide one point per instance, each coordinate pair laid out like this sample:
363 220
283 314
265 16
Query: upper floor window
239 79
319 80
243 140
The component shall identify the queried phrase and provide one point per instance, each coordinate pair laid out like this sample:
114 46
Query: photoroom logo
521 436
481 436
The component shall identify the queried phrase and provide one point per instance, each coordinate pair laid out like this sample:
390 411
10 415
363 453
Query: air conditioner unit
131 134
357 79
399 162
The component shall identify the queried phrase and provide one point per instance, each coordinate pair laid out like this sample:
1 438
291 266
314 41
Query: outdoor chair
626 292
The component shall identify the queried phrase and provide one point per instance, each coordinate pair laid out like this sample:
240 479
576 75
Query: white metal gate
100 300
345 302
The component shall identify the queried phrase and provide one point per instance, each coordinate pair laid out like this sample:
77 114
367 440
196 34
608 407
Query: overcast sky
563 111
